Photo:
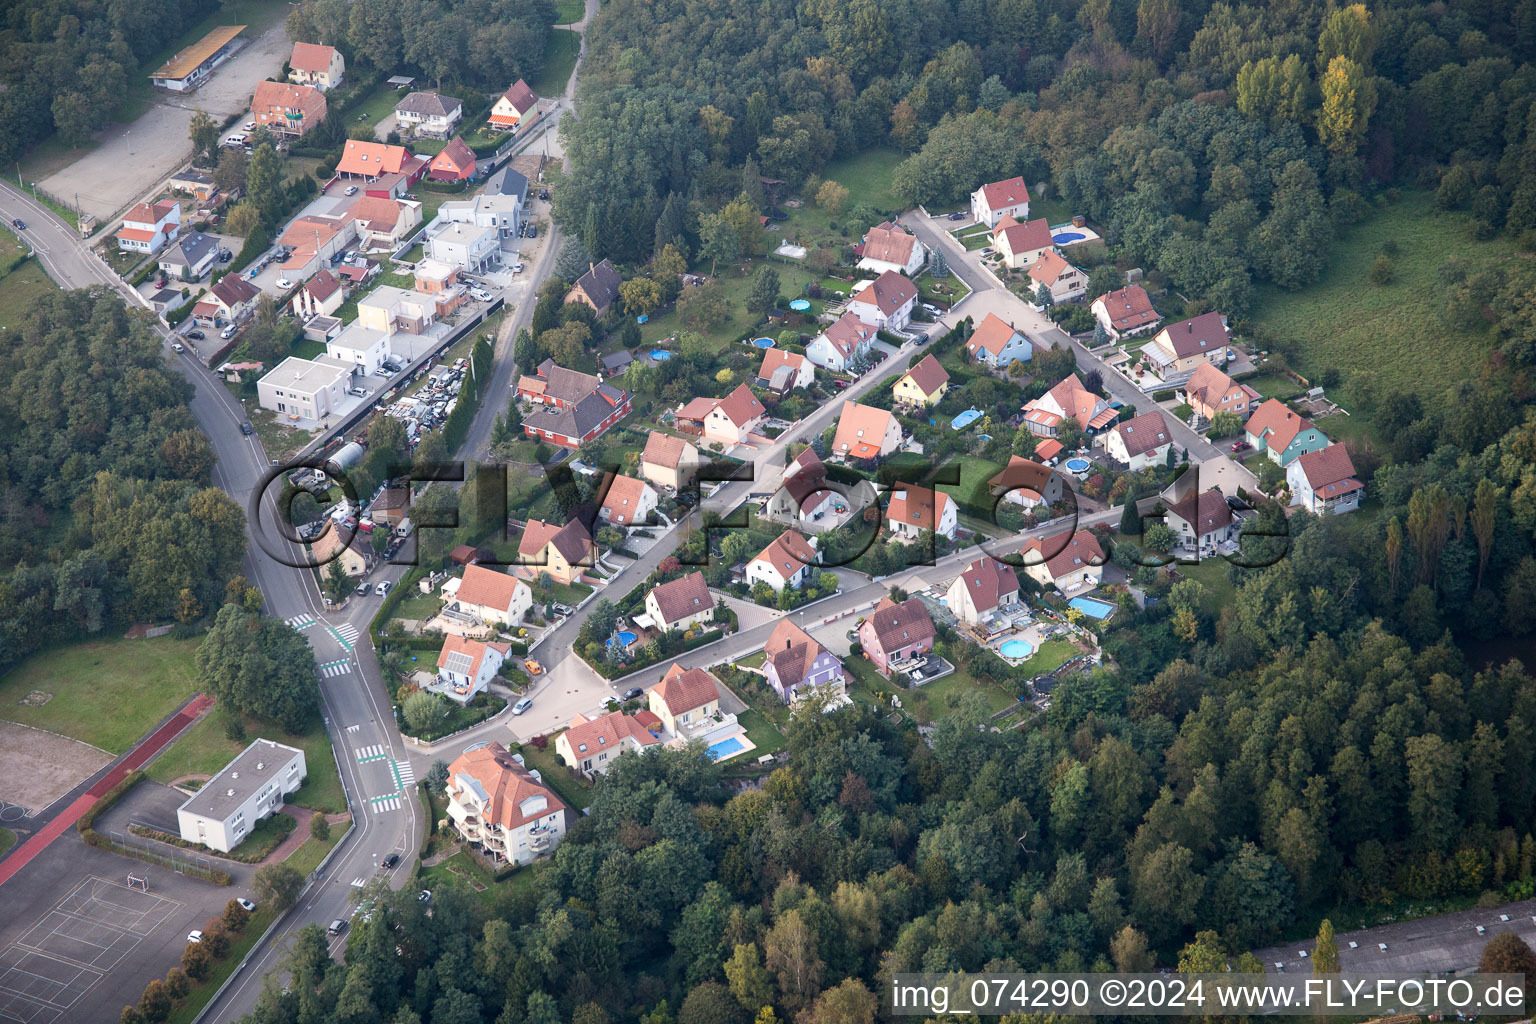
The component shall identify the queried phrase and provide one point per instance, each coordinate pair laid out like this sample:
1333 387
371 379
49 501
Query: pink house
896 632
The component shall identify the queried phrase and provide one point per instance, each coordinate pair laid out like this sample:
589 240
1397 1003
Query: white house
669 461
784 563
251 787
1062 280
784 371
363 347
466 667
305 389
429 113
734 416
629 502
996 343
592 745
1141 441
497 804
803 495
1202 521
316 65
147 228
1008 198
1021 243
984 587
514 108
492 597
1068 561
864 432
886 302
680 603
470 247
502 211
1069 399
1324 482
840 343
1027 482
890 247
913 509
189 257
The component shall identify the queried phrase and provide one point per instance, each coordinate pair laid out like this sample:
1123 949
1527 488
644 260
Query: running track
135 758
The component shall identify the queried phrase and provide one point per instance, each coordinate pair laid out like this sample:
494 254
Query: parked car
250 126
196 335
246 428
480 295
425 896
225 255
544 194
383 588
522 706
362 589
1241 446
228 332
196 935
283 282
245 903
391 860
517 268
957 216
178 346
337 927
634 693
350 190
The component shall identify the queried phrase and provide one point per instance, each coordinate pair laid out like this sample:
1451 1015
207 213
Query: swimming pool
728 747
661 355
626 638
762 343
800 305
1078 465
965 419
1065 237
1091 608
1016 649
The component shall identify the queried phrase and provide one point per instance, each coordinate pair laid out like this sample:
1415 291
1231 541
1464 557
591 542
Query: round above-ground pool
661 355
800 305
1016 649
626 638
1064 237
1078 465
762 343
965 419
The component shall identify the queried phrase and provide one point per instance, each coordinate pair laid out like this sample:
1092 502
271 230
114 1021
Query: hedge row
610 671
101 842
1165 395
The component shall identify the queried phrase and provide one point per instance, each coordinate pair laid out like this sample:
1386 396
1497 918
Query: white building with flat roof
470 247
502 212
307 389
251 787
363 347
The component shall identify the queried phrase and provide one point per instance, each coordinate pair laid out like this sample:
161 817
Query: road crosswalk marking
354 727
332 669
358 883
346 634
373 753
386 803
405 773
302 621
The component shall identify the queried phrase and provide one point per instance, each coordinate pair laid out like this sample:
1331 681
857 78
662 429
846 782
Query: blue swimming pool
800 305
1062 238
661 355
965 419
762 343
728 747
625 638
1016 649
1078 465
1091 608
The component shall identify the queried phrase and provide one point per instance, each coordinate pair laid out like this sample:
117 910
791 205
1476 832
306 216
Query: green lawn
191 1007
419 606
753 660
7 840
761 731
1344 322
1051 656
576 794
1273 385
974 474
312 851
107 693
559 62
867 177
378 105
19 288
568 12
734 288
1211 574
562 593
204 749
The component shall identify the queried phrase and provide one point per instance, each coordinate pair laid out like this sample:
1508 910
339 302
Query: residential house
373 160
1210 391
428 113
502 211
364 348
914 509
891 247
562 551
1062 280
1125 312
466 667
685 699
575 407
786 562
196 183
287 109
314 240
316 65
193 65
492 597
1021 243
1008 198
669 461
230 300
986 586
923 384
1068 399
352 550
514 108
732 418
796 664
784 371
383 223
1324 482
456 162
885 303
1202 521
592 745
507 182
1282 432
864 432
439 284
803 495
896 632
148 228
498 805
1178 349
1141 441
388 309
629 502
189 257
222 813
322 295
1027 482
304 389
680 604
996 343
164 300
391 506
1071 560
840 343
473 248
598 287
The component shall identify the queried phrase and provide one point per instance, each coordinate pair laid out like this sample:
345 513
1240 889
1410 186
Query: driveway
132 159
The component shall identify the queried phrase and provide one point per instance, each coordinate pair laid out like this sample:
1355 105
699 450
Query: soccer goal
138 882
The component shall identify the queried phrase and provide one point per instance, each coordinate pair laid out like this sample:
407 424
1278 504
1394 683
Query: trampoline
661 355
965 419
800 305
1067 237
762 343
1019 649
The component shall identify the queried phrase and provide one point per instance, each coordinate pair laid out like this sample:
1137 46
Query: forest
109 510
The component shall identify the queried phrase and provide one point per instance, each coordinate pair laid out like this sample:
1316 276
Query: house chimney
591 266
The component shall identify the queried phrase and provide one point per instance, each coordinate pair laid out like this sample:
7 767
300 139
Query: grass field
734 287
7 840
576 794
867 177
568 12
201 991
107 693
22 285
312 851
1273 385
204 749
761 731
378 105
559 62
1344 322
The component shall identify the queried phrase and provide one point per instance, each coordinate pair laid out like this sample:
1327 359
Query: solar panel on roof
458 661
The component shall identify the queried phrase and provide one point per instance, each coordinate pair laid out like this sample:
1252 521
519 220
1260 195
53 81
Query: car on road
19 224
1241 446
196 335
245 903
178 346
391 860
522 706
337 927
383 588
246 428
362 589
196 935
425 896
350 190
634 693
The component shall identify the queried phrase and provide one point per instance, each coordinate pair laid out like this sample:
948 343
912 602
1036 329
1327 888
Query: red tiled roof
1048 449
1071 551
1128 308
521 97
507 784
847 333
896 625
917 506
589 736
571 540
888 243
311 57
1329 471
664 450
623 499
682 597
888 292
1047 270
371 158
488 587
1008 192
1277 424
788 553
774 358
455 156
986 580
861 430
1205 511
276 99
992 334
792 651
1143 433
473 649
928 375
322 286
1197 335
1023 237
685 689
1023 474
741 406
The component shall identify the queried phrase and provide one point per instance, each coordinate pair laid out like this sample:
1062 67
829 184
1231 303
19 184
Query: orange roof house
864 432
370 160
514 106
455 163
287 108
